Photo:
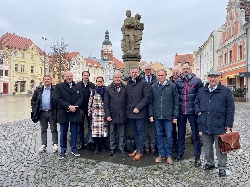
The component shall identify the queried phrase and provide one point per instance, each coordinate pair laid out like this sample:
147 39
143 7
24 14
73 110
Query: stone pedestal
130 60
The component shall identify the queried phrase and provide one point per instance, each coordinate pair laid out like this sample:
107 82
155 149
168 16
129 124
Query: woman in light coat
99 124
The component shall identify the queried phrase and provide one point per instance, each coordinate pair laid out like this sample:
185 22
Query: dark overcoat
36 102
115 103
66 96
217 109
138 95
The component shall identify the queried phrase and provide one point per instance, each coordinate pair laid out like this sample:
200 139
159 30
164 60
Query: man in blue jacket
188 85
215 107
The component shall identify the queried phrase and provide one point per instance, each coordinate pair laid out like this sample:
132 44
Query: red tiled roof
118 63
18 42
71 55
93 63
183 58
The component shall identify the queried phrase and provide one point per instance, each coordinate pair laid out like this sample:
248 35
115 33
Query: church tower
106 52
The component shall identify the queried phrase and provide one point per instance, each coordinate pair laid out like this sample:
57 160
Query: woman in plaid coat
99 124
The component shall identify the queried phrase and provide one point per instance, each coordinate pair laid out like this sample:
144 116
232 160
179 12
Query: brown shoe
132 154
137 157
159 159
169 160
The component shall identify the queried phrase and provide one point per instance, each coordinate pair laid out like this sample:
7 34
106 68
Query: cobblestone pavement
21 165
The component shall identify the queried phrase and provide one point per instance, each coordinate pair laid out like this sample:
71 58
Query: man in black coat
43 106
68 98
86 86
150 132
215 107
138 95
115 103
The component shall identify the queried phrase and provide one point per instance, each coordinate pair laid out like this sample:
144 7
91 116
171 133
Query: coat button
207 112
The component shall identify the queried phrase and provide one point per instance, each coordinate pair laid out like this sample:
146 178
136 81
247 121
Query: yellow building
25 62
157 65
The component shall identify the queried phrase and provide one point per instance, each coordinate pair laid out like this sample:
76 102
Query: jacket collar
218 89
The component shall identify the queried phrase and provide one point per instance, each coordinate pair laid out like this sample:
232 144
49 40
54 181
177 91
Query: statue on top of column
132 34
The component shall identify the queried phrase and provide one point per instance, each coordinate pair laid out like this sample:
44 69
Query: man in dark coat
188 85
215 107
138 95
175 75
43 105
86 86
164 110
115 103
150 133
68 98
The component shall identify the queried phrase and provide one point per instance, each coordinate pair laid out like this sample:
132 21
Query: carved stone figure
132 34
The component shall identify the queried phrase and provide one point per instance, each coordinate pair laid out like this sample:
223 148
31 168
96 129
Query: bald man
68 98
188 85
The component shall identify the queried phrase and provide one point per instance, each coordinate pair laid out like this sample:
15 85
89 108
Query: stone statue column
131 41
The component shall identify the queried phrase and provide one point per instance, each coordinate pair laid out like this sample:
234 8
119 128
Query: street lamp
44 39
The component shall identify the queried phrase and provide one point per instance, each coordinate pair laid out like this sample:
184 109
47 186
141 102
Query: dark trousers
174 136
150 134
122 138
81 127
63 135
182 120
45 118
137 126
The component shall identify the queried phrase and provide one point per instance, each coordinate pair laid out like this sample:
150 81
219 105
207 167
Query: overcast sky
171 26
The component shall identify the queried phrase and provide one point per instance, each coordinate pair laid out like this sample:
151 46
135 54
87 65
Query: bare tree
58 62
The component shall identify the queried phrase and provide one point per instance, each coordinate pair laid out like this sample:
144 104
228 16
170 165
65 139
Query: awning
244 74
231 76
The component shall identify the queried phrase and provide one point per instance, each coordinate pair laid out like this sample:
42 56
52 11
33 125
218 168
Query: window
1 72
230 56
31 69
179 63
32 57
41 70
54 76
225 58
16 67
240 52
22 68
232 31
1 61
226 35
15 53
6 73
22 55
187 63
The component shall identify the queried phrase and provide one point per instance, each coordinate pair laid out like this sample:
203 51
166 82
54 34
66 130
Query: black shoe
208 167
103 147
112 152
153 151
123 153
147 150
197 162
222 172
178 158
81 147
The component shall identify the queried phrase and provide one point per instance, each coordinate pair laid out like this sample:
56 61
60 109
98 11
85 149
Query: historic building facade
26 68
180 60
232 49
4 74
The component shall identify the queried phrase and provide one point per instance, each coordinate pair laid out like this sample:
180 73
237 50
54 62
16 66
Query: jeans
45 118
81 127
122 138
150 134
137 126
63 135
182 120
162 125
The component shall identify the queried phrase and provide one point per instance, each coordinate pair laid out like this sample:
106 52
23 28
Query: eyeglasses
99 81
185 68
147 69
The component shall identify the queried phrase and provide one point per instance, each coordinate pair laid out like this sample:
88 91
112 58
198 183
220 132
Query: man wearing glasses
150 132
188 85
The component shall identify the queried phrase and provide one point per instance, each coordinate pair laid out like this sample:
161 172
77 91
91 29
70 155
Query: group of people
156 108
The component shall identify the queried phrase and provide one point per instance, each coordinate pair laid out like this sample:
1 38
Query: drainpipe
247 64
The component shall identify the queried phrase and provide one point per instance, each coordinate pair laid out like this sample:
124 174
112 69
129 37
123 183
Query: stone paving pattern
21 165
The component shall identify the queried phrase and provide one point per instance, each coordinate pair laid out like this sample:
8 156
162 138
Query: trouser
150 134
208 141
137 126
45 118
81 127
182 120
63 135
164 126
122 138
174 136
